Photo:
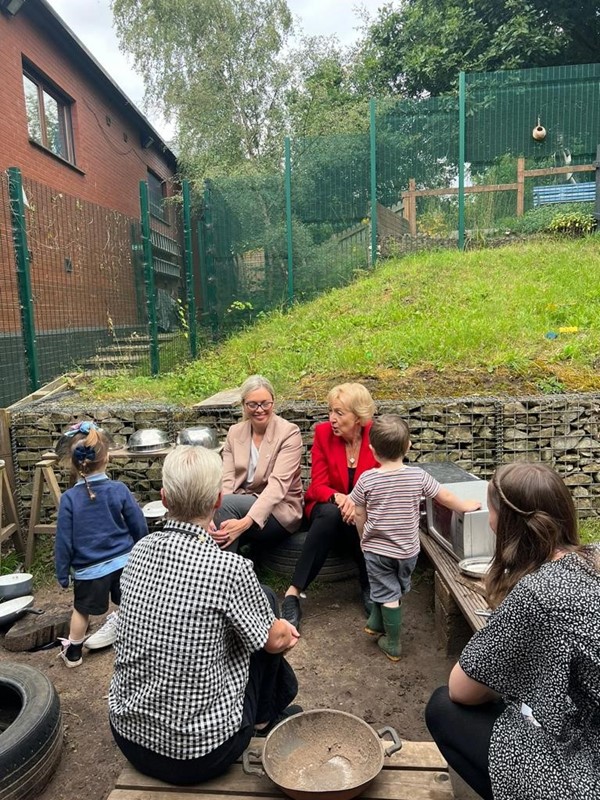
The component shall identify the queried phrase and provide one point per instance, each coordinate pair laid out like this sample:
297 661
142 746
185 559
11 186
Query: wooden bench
564 193
417 772
466 593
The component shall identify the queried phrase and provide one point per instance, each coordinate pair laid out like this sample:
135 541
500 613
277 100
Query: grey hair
192 477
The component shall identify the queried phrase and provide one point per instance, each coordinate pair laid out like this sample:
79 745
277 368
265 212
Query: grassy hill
515 320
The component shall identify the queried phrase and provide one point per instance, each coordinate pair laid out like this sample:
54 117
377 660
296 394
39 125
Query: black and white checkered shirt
191 615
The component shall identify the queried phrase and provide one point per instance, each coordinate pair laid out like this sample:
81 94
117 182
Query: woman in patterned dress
520 717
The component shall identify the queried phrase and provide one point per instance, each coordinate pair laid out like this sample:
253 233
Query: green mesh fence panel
417 149
330 211
13 370
245 254
502 111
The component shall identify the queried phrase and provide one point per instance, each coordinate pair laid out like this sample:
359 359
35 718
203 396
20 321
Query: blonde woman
340 454
262 485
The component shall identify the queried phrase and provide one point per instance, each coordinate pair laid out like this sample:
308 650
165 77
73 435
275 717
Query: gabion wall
475 433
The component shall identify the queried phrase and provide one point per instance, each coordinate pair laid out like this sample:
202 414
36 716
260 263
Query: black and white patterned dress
541 647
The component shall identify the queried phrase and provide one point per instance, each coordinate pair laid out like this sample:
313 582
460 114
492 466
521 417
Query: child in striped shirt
387 511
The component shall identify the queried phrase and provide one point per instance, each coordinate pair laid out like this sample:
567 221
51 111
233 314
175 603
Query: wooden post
520 186
8 510
409 210
44 473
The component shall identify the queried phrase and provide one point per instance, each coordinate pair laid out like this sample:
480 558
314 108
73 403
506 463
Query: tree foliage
216 66
419 46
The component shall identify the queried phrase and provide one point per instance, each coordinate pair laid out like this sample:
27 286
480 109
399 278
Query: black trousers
261 540
271 687
463 735
327 529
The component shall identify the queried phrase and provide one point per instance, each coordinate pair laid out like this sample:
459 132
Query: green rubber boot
374 626
392 622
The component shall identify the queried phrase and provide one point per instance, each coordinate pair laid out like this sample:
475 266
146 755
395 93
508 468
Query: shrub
574 223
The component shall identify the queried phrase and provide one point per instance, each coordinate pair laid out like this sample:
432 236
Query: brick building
82 148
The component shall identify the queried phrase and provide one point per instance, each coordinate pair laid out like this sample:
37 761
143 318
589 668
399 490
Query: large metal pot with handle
323 755
17 584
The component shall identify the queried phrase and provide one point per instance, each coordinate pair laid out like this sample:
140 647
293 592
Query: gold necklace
352 453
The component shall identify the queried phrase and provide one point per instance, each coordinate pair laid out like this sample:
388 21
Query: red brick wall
80 217
108 167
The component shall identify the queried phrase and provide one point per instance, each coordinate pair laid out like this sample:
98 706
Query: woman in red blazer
340 454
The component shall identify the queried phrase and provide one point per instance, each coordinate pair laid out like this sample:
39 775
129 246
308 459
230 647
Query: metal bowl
324 754
18 584
201 436
148 440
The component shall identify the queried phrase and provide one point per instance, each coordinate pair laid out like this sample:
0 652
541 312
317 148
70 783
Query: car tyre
31 732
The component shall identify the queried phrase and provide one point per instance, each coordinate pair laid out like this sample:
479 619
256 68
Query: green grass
481 310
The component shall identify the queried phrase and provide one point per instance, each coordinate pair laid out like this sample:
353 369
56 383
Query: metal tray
475 567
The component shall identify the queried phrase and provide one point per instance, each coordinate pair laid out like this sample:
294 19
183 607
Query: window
156 196
48 116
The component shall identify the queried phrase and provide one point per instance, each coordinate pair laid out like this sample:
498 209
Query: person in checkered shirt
199 666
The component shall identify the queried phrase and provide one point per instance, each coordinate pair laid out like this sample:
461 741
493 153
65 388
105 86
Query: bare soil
337 664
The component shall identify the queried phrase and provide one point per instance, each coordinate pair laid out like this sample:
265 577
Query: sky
91 22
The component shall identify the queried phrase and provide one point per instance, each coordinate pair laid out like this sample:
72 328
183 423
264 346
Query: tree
216 67
321 98
419 46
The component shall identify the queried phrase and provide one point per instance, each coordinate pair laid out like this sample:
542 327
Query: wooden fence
409 197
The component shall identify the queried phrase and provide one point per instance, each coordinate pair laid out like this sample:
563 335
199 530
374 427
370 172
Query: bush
573 223
537 220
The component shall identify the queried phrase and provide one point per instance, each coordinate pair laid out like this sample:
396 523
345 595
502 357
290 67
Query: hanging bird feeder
539 132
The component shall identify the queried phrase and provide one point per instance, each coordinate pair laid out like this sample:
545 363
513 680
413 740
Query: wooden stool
44 474
9 520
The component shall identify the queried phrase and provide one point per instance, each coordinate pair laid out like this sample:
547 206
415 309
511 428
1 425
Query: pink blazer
277 481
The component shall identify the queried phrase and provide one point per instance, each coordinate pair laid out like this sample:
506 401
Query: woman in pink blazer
262 485
339 455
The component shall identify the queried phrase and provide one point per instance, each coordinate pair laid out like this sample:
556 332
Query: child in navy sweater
99 521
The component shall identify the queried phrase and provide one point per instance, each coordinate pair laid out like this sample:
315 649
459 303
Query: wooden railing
409 197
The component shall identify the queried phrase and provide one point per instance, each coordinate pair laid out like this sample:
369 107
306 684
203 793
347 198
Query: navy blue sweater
91 531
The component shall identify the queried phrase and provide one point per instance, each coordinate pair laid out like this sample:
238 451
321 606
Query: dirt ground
337 664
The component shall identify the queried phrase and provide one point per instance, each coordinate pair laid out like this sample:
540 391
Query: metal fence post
461 160
149 278
288 219
209 250
189 267
597 206
19 231
373 147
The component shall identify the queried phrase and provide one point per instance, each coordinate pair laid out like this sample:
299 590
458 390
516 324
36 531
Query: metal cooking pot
201 436
16 585
323 755
148 440
11 610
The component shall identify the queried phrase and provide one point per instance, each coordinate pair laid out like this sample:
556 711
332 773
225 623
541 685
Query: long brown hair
536 517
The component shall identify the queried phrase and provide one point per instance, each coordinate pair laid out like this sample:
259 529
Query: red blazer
329 470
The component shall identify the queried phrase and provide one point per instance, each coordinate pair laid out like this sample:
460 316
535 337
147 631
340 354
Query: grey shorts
389 578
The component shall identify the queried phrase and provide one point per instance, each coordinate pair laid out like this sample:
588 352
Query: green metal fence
87 288
84 286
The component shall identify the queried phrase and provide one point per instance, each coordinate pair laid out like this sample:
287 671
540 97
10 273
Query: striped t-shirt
392 499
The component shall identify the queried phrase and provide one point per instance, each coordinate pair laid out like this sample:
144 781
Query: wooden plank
225 399
417 772
390 784
538 173
466 599
55 386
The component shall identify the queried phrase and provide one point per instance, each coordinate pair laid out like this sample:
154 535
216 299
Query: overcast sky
91 22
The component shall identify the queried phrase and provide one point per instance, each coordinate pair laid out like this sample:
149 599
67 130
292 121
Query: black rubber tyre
32 735
282 560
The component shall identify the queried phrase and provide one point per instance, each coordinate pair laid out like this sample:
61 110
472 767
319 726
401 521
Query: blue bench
564 193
